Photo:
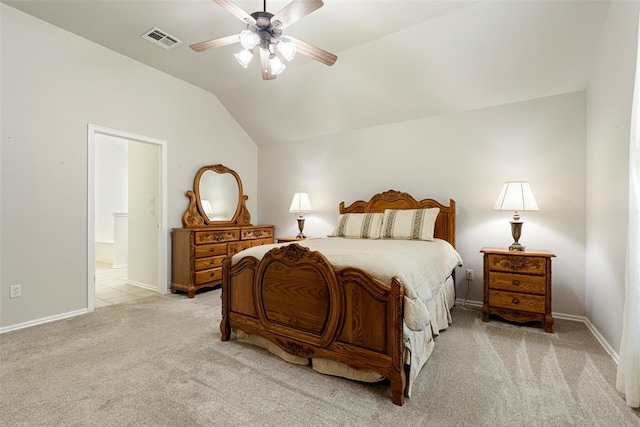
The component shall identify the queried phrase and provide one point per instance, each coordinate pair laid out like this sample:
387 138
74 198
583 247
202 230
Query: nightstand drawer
517 264
517 301
517 283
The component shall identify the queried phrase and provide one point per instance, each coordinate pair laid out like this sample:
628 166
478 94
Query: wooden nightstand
287 239
517 285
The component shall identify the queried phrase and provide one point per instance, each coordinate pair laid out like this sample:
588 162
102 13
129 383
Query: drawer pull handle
211 262
516 283
213 250
515 301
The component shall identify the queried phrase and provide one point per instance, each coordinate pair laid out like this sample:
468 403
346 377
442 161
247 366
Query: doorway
127 210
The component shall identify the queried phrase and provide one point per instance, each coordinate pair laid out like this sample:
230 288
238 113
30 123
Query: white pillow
409 224
358 225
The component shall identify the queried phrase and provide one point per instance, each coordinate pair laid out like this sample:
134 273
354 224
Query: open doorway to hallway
127 242
113 287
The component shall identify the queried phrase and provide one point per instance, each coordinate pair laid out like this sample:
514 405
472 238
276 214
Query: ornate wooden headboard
445 223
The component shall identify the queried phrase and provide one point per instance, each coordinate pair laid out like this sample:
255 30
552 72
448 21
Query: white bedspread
421 266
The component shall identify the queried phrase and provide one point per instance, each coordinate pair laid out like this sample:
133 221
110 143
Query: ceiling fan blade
223 41
316 53
295 10
264 65
236 11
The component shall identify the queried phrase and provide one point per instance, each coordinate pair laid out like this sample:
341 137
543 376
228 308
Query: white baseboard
142 285
594 331
43 320
469 303
598 336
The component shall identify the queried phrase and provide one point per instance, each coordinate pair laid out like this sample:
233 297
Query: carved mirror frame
195 215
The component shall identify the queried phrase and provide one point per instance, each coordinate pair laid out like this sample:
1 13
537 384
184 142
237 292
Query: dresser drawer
206 263
516 301
217 236
256 233
260 242
208 275
198 252
517 264
210 250
517 282
236 247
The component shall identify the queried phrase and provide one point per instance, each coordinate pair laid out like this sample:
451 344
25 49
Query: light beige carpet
159 361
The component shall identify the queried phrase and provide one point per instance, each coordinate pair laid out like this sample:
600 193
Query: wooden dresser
197 253
517 285
217 224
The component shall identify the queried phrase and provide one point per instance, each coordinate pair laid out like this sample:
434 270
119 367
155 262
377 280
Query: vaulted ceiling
397 60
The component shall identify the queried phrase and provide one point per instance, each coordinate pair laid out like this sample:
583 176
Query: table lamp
300 204
516 196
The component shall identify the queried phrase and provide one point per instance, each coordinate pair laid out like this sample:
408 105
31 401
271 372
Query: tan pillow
358 225
409 224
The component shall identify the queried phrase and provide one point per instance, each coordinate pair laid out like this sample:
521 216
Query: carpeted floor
159 361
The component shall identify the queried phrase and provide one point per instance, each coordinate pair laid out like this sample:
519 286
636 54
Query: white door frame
163 285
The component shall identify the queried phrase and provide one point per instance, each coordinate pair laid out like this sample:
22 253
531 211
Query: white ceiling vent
160 38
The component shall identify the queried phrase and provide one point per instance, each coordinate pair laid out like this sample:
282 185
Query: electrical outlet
469 274
15 291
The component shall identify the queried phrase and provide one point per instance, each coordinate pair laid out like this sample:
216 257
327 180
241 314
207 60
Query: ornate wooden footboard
297 300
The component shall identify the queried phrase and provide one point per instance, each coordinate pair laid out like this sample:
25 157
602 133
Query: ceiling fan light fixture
276 65
249 39
286 48
244 57
263 30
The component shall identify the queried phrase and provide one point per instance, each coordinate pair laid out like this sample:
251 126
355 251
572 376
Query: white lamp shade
300 203
287 48
276 65
244 57
516 196
249 39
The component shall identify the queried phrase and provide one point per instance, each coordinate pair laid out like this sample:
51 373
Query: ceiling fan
264 31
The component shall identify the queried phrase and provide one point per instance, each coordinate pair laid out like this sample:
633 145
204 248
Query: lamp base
516 230
516 247
301 227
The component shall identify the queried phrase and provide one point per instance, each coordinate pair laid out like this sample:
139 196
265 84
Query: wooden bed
296 299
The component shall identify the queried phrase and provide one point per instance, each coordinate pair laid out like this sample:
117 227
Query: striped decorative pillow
409 224
358 225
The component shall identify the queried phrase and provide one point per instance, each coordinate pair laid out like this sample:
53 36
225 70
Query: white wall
53 85
465 156
609 96
111 189
111 183
144 221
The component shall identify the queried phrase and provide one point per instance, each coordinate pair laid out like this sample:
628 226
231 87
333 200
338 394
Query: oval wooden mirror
216 199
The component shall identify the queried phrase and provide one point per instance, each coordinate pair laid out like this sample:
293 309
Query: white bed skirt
418 344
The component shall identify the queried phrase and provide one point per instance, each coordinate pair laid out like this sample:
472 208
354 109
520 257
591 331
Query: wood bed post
225 328
398 377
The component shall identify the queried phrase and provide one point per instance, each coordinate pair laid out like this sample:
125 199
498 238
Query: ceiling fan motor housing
265 29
